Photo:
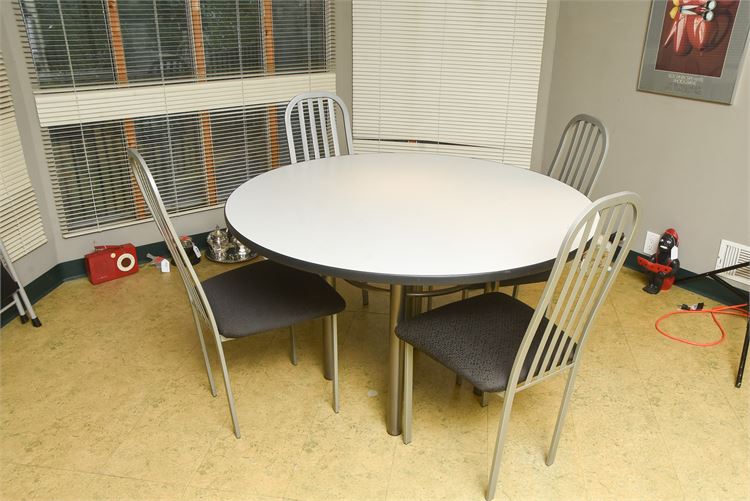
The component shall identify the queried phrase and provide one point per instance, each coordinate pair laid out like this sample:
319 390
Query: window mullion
121 71
270 67
200 69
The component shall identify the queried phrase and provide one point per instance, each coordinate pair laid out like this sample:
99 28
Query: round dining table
405 219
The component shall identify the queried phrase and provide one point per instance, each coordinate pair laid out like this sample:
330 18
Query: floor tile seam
289 481
310 430
189 482
95 473
635 365
137 422
122 440
651 410
570 423
230 491
390 472
452 450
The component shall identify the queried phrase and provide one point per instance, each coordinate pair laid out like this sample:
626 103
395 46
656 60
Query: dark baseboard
703 286
69 270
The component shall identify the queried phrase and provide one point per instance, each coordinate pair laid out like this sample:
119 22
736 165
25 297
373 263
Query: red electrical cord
735 310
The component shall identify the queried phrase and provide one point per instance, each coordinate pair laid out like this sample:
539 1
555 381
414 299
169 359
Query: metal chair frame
198 301
315 114
20 299
580 154
601 237
317 110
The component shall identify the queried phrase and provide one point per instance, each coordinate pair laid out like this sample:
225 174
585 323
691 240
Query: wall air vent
731 253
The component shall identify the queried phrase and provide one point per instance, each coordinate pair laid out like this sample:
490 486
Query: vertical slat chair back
580 153
148 187
598 241
311 124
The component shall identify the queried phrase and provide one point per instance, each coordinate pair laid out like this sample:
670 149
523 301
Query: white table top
406 218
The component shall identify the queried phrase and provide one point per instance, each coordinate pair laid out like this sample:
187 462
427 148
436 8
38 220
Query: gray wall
687 159
45 257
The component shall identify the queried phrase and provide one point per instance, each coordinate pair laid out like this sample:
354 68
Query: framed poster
694 48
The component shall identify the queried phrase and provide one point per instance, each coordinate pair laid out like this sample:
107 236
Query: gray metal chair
310 120
578 158
580 154
244 301
14 292
500 344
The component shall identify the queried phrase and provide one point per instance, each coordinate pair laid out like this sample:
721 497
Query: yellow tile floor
109 400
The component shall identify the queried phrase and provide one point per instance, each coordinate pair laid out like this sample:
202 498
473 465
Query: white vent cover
731 253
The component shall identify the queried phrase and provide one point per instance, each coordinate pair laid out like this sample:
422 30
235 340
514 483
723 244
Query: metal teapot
218 242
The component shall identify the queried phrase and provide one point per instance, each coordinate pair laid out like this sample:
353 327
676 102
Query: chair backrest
148 187
310 120
587 264
580 154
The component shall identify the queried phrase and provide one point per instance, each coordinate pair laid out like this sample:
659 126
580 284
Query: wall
688 159
43 258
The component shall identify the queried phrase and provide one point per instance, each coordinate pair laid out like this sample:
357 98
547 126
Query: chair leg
482 396
29 309
499 443
459 380
21 310
199 330
515 291
293 347
335 347
365 297
561 417
227 386
406 415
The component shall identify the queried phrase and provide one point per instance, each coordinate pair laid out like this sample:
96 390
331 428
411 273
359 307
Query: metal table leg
395 364
328 342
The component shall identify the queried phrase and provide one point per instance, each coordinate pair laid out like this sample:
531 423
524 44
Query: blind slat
203 106
447 76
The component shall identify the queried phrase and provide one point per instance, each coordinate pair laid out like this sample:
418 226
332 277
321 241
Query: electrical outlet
651 245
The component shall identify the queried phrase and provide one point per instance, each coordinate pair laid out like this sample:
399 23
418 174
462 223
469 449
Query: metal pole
395 361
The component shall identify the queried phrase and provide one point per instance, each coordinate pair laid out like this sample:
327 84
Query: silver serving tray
231 256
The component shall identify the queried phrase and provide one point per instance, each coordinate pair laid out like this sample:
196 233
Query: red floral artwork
695 36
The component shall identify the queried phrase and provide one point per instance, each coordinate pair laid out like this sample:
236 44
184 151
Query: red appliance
108 262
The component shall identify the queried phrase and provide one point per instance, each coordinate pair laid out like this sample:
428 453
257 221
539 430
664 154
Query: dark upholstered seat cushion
266 296
477 338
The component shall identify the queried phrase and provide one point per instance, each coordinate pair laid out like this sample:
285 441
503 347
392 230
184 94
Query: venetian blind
198 86
21 227
458 77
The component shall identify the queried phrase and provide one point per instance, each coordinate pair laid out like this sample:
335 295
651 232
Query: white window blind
198 86
20 223
457 77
